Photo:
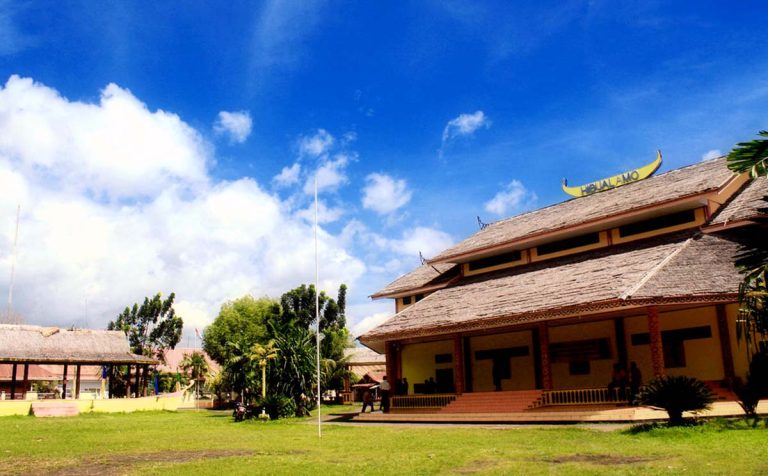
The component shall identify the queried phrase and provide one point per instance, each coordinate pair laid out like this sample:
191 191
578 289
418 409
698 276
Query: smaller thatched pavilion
22 346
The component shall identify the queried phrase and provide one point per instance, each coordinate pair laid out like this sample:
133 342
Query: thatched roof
54 345
746 205
677 184
422 277
678 268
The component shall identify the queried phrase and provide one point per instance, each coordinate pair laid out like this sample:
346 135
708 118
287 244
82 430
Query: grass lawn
211 443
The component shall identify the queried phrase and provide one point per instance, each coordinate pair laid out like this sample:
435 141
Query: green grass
210 443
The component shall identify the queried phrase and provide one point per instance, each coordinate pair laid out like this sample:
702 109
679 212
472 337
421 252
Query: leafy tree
675 395
261 354
243 321
750 156
151 328
296 368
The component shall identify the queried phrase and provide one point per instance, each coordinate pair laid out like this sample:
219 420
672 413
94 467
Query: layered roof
666 269
53 345
677 184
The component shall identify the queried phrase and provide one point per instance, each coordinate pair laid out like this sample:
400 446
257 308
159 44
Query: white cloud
236 125
117 204
288 176
316 145
331 175
384 195
711 154
514 197
325 214
369 322
465 125
428 241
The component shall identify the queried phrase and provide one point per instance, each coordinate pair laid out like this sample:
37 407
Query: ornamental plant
675 395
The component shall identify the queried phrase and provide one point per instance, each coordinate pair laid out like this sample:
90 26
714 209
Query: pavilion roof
680 268
35 344
424 276
674 185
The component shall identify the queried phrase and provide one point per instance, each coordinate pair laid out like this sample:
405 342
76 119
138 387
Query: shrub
756 386
676 395
277 406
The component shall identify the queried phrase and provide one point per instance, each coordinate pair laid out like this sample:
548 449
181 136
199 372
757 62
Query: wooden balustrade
582 396
422 401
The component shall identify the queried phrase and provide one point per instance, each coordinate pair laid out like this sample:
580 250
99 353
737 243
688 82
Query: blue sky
169 145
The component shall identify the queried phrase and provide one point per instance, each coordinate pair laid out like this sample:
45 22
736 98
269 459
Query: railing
422 401
582 396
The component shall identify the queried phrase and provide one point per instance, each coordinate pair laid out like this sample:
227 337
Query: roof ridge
655 270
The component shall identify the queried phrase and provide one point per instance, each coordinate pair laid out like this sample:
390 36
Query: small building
366 368
553 299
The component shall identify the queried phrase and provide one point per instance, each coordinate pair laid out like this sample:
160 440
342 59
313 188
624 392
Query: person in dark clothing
367 401
635 382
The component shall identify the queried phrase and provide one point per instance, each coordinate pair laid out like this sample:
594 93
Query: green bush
277 406
756 386
676 395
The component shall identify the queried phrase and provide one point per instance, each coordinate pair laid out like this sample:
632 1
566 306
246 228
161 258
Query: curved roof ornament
614 181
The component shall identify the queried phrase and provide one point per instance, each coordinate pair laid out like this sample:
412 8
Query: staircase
493 402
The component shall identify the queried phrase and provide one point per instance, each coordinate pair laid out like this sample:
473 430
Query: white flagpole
13 266
317 319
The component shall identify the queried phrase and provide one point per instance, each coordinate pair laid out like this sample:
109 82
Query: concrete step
493 402
55 409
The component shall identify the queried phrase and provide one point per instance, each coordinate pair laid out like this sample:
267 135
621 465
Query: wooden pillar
458 365
546 364
468 364
725 344
26 380
64 383
657 347
77 382
621 342
128 383
390 353
13 383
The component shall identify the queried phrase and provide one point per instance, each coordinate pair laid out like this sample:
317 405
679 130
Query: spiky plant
675 395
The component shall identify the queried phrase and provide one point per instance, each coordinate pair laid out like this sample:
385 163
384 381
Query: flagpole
317 319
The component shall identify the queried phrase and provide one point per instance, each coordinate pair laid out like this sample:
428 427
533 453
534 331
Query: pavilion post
657 347
546 363
26 380
725 344
458 364
390 352
77 382
64 383
13 383
128 383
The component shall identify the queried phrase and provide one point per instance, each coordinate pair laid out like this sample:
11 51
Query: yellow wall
418 360
116 405
523 375
703 357
599 370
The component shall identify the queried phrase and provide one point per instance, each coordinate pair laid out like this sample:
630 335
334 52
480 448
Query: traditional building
553 299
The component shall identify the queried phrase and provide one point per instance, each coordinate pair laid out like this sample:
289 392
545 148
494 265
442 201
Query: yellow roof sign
615 181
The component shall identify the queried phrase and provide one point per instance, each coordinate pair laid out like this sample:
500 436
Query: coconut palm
195 366
261 354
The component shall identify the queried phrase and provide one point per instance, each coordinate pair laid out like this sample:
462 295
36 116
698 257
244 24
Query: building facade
556 298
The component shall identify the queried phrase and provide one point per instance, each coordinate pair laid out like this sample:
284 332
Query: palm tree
296 366
752 325
261 354
195 366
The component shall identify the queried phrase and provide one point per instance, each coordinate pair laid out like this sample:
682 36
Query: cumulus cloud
465 125
513 198
288 176
384 194
317 144
711 154
118 203
236 125
331 174
369 322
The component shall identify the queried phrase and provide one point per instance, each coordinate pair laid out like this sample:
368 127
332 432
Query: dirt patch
598 459
475 467
119 464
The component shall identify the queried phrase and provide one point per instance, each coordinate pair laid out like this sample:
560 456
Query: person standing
367 400
635 382
385 388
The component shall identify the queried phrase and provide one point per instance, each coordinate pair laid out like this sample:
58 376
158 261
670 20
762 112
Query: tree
296 368
196 368
151 328
261 354
242 320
